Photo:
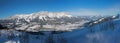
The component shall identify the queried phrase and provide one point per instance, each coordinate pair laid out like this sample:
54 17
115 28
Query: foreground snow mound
13 36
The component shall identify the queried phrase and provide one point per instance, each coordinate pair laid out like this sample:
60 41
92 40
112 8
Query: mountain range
46 21
95 30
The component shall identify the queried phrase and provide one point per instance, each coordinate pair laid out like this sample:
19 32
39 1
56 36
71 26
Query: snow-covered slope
101 20
105 31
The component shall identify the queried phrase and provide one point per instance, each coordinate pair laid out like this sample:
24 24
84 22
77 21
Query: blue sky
75 7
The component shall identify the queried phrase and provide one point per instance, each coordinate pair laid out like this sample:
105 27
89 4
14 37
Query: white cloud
84 12
115 9
111 11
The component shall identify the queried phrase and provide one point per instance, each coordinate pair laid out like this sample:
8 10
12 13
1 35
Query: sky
74 7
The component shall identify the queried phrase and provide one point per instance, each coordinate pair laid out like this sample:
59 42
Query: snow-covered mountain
40 15
45 21
103 30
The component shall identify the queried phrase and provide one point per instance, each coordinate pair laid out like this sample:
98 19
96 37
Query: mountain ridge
45 21
35 22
